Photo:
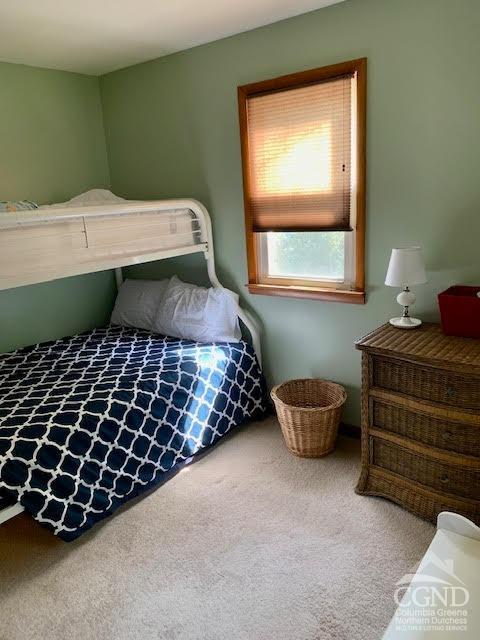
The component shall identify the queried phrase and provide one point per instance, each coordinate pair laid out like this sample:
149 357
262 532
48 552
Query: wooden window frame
291 81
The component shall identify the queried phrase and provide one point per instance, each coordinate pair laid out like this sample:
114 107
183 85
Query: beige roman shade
299 157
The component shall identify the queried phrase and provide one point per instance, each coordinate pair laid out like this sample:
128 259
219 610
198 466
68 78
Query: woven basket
309 413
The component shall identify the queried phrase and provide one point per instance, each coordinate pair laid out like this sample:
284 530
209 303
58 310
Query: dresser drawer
435 432
425 503
452 389
446 478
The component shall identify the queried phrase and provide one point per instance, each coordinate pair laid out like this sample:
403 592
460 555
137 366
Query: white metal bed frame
110 255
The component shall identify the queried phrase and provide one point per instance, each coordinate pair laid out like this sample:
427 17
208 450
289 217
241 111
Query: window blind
299 157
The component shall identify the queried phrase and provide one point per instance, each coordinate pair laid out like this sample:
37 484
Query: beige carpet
249 543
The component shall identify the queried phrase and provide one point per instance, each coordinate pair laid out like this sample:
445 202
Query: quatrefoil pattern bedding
89 422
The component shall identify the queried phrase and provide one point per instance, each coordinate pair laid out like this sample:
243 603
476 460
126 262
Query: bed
90 421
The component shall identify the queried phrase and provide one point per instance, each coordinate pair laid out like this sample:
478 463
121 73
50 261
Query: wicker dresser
421 420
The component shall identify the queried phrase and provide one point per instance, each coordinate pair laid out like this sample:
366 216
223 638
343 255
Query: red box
460 311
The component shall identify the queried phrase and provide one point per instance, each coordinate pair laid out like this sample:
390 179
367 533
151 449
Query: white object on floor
441 601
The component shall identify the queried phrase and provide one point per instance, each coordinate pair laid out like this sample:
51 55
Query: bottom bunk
89 422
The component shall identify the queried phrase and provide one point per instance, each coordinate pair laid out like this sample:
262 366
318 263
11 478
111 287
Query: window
303 156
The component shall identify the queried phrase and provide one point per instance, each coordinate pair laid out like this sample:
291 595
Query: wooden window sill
334 295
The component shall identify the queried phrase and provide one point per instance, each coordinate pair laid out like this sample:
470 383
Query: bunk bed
90 421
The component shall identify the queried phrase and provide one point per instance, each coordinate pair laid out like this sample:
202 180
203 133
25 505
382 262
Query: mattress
91 421
45 244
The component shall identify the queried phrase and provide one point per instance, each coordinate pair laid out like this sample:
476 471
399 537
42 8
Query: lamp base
405 322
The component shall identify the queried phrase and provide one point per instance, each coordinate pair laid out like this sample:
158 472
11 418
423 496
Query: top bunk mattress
57 241
91 421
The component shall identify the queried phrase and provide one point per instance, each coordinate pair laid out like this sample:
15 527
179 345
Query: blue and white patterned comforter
88 422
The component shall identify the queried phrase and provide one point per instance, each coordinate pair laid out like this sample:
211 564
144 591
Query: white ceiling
98 36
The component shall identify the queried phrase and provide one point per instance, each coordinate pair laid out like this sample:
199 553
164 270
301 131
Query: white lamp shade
406 268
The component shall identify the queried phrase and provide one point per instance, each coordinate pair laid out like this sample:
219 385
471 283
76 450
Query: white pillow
89 198
137 303
197 313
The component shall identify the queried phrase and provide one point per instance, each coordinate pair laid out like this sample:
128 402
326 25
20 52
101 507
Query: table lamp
406 268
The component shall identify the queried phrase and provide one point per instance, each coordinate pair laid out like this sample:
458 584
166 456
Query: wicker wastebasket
309 413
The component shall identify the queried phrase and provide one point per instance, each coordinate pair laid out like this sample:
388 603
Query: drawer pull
444 478
446 435
450 392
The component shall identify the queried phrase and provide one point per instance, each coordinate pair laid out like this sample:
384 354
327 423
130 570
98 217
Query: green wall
52 147
172 130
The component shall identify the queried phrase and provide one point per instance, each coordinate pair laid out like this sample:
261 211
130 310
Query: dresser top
426 343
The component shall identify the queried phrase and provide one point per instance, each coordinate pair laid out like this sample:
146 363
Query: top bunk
47 243
78 237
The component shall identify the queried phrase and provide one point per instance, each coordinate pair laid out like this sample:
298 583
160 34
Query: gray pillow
137 303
